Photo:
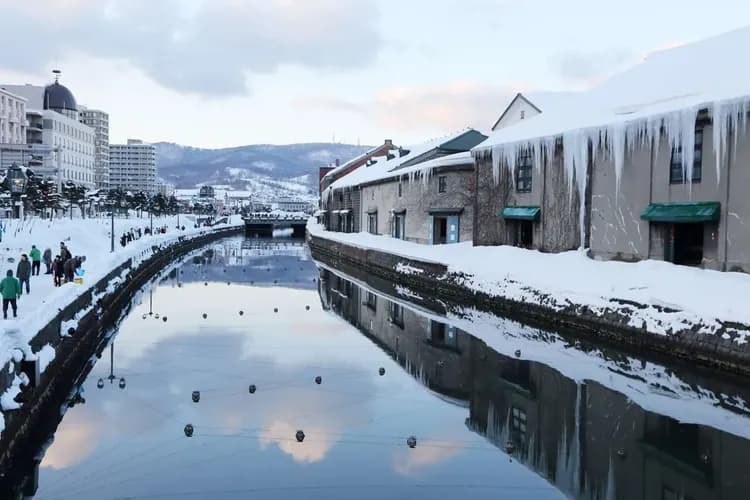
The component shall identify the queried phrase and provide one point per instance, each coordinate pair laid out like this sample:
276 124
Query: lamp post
112 228
111 377
16 180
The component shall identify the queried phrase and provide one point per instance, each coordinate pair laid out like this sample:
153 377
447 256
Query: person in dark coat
23 272
58 271
65 252
47 258
69 269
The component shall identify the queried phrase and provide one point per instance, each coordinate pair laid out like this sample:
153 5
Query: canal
218 367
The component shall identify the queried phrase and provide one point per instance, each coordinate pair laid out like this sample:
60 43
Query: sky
220 73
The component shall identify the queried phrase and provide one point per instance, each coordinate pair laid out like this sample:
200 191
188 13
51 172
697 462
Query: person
47 258
36 260
64 252
70 267
23 272
10 289
58 271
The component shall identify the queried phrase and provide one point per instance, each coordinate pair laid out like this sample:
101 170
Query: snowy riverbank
654 296
90 238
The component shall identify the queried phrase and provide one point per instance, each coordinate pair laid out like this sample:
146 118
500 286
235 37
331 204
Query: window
518 424
442 184
523 172
399 223
372 223
371 301
396 314
675 167
523 114
399 190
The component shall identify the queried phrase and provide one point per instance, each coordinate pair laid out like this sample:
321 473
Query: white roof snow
384 168
691 76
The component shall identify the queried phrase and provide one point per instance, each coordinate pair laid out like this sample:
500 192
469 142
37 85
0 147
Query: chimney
337 162
388 142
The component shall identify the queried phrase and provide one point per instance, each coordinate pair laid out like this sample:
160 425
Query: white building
53 120
292 205
12 118
99 121
132 166
165 188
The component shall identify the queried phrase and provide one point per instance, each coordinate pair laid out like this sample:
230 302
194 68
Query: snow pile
656 100
655 295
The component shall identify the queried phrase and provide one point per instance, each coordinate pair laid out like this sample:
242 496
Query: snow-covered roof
347 164
542 101
383 167
424 168
692 77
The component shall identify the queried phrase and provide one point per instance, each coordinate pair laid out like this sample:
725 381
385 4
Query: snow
351 162
384 168
89 237
664 92
566 279
7 401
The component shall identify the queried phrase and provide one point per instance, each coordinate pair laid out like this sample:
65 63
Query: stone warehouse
422 193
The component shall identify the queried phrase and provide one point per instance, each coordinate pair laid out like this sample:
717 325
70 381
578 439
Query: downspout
543 172
725 215
475 219
651 156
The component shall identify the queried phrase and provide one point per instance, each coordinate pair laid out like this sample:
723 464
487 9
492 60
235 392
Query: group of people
62 268
136 233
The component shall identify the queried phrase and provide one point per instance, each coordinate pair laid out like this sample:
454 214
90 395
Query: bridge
263 223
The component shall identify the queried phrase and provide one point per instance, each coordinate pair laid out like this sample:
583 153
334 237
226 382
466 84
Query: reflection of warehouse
587 440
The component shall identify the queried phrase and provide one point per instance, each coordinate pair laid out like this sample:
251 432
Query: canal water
412 400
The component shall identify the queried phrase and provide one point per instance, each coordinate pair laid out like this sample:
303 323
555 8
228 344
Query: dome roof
58 97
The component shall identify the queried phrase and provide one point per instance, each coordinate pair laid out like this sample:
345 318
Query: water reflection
586 435
131 443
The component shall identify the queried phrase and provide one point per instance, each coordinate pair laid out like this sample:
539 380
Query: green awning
521 213
682 212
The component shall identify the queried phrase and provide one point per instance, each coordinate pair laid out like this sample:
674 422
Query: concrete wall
736 211
417 198
558 227
617 231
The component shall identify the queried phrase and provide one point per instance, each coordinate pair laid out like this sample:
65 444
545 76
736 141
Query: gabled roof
541 101
383 168
344 166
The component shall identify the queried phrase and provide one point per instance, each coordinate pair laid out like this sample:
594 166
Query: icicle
576 159
719 130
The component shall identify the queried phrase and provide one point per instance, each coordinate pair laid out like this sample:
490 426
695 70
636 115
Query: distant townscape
60 155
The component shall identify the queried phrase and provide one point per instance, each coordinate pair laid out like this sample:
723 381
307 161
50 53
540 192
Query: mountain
286 170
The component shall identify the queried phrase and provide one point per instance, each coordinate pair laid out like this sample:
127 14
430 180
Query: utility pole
112 229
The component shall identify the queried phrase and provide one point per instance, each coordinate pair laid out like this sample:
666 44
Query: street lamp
111 377
16 180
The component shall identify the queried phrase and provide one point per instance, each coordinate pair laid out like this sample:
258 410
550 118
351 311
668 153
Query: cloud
445 107
206 47
591 67
408 462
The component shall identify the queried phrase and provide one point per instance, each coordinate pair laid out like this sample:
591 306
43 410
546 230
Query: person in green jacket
10 289
36 260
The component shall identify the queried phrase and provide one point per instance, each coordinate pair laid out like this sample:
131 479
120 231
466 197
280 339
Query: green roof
682 212
521 213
